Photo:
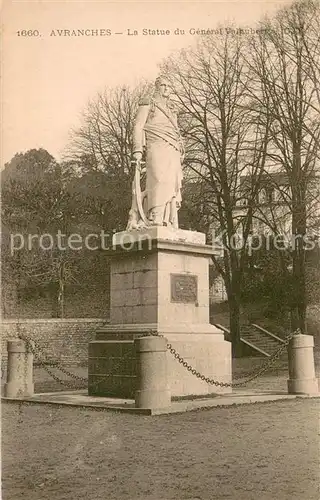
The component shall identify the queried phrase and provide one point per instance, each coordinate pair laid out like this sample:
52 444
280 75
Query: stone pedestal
160 284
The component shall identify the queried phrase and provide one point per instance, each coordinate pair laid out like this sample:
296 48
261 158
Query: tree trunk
234 323
61 294
299 228
298 313
54 292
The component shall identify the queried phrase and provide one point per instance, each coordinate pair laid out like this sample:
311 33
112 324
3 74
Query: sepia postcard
160 207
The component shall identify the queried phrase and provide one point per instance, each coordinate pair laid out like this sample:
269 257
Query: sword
137 187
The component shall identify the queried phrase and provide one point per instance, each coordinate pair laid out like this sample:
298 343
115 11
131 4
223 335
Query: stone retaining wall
64 340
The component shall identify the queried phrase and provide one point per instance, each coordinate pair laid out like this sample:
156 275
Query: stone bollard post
302 379
152 378
19 370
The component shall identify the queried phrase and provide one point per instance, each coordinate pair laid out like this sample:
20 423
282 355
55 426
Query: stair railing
272 335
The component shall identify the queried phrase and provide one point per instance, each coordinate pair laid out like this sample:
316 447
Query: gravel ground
253 452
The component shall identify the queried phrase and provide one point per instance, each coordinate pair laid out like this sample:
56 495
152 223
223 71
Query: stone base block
126 238
163 282
206 351
210 355
112 369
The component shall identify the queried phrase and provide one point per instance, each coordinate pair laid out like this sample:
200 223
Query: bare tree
284 59
102 149
225 139
104 140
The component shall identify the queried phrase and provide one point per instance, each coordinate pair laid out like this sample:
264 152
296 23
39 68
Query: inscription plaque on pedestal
184 288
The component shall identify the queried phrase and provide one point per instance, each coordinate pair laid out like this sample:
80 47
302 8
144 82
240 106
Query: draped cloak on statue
156 125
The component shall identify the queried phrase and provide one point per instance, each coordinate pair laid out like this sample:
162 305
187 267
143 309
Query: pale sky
48 80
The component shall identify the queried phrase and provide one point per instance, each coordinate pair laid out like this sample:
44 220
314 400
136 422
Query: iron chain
54 364
248 377
44 364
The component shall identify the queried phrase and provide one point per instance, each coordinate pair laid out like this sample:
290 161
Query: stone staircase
257 339
260 339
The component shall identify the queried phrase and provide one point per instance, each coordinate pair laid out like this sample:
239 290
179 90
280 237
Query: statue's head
162 86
